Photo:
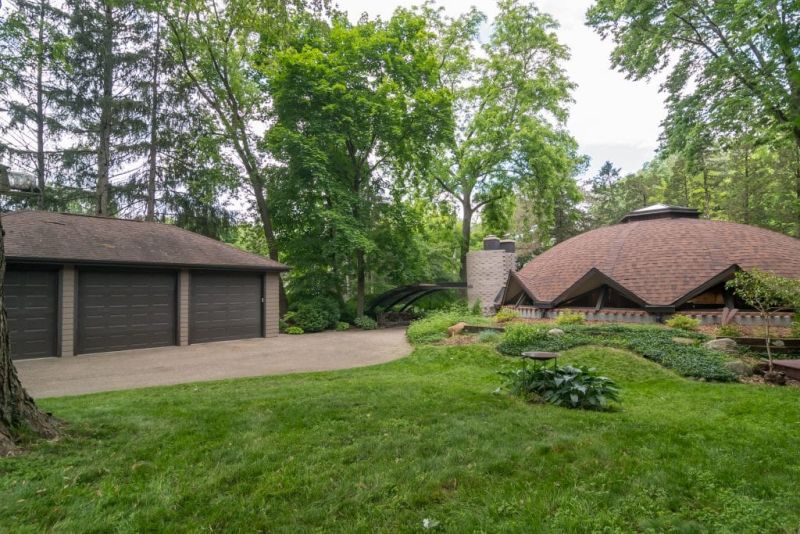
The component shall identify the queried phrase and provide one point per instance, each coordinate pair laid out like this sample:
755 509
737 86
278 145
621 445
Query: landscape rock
739 368
555 332
723 344
778 343
683 340
456 329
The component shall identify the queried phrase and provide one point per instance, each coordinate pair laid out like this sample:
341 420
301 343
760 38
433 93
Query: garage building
79 284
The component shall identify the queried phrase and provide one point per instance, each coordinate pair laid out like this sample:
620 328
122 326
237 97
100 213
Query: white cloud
612 118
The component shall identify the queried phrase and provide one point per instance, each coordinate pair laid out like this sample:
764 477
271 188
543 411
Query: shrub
316 314
294 330
311 318
506 314
683 322
365 323
796 325
652 342
342 326
729 330
571 387
568 317
433 326
489 336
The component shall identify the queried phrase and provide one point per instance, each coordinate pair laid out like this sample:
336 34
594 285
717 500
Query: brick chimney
487 271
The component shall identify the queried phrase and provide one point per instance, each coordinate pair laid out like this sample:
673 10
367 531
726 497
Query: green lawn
382 448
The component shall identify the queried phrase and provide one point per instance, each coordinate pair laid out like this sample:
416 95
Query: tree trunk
746 186
40 174
360 283
766 317
797 192
18 412
104 145
466 234
706 191
153 156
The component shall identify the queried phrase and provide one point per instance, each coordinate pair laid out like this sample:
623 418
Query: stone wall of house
487 272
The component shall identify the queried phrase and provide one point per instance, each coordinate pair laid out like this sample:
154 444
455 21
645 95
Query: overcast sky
612 118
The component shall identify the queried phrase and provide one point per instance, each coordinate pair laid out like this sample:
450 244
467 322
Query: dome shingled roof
659 260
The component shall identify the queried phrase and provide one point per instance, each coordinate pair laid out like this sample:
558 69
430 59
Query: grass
426 437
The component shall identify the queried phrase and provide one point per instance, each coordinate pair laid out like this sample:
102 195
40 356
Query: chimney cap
491 242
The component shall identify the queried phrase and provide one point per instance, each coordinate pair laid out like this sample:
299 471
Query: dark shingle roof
69 238
660 260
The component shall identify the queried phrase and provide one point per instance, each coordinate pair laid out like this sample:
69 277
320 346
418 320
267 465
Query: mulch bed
459 340
757 379
749 331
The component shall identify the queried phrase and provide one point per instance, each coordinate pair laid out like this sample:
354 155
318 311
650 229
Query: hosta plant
568 386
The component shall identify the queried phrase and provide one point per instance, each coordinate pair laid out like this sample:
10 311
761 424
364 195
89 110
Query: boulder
683 340
739 368
723 344
555 332
778 343
456 329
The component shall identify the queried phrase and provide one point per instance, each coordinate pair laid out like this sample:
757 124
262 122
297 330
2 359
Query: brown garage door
224 306
120 310
32 307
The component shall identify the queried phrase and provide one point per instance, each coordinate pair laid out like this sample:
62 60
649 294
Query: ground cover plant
568 386
568 317
683 322
427 437
433 327
653 342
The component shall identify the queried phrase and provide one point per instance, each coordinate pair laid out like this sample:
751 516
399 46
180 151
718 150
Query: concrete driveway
108 371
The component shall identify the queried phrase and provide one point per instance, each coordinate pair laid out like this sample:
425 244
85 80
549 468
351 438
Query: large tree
511 96
18 412
734 61
219 46
32 42
106 92
357 108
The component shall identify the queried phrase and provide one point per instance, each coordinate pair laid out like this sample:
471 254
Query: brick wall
67 301
184 279
271 304
487 274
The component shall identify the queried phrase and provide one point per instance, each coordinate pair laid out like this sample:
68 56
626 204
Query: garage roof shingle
70 238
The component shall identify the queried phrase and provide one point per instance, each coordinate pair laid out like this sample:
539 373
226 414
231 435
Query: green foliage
569 317
510 95
796 325
731 135
316 314
683 322
294 330
342 326
477 307
567 386
654 343
728 59
506 314
365 322
433 327
357 108
490 336
766 292
729 330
